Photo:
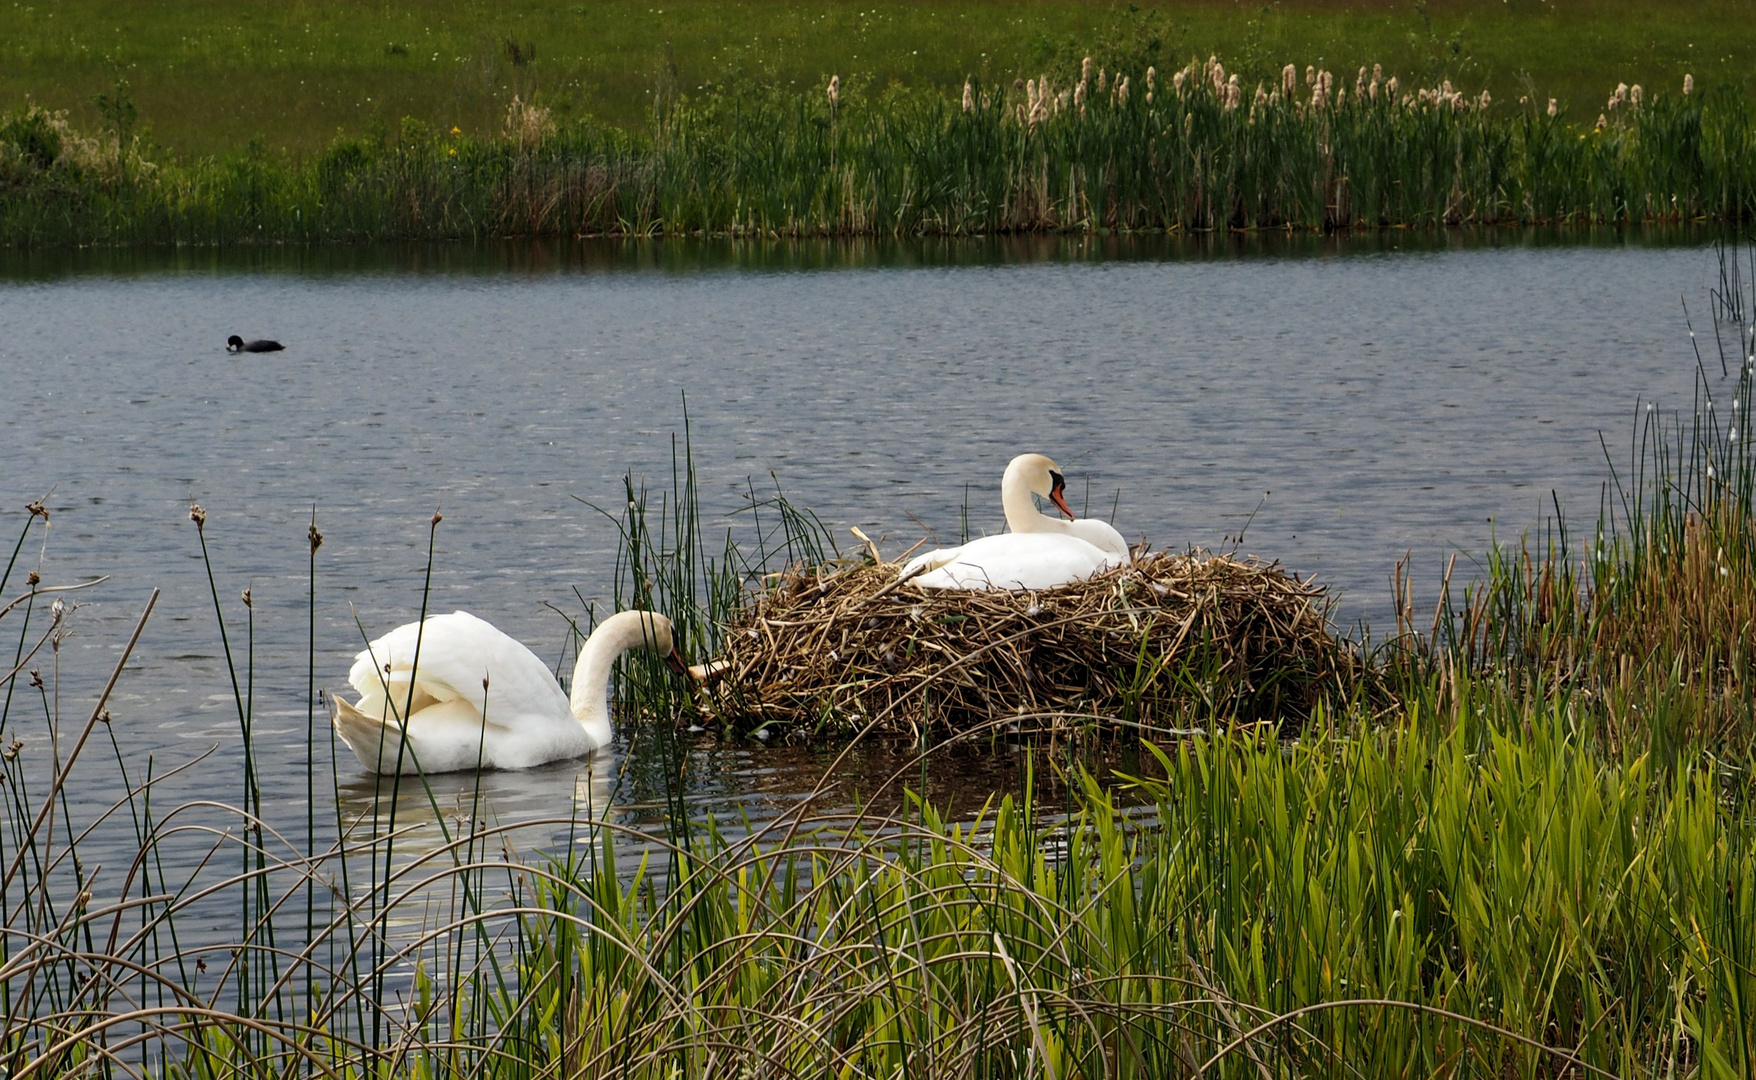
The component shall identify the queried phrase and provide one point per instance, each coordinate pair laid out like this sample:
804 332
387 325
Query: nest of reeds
1169 639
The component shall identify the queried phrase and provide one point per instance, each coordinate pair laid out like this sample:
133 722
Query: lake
1350 400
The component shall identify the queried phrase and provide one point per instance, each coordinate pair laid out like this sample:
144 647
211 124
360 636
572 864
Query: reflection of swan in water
477 699
557 794
1040 552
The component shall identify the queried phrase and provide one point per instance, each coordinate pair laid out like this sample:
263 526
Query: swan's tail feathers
373 741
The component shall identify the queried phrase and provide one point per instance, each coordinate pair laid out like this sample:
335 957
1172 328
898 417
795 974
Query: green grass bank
209 77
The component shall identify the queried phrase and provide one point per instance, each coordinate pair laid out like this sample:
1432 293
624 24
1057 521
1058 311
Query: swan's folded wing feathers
456 652
931 560
1019 561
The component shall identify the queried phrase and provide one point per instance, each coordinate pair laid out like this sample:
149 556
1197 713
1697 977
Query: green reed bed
1083 149
1486 898
1478 888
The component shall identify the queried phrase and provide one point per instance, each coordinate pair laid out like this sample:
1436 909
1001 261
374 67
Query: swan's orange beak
1057 496
674 661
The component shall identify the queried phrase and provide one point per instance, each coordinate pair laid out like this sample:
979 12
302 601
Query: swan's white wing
456 651
1018 561
1101 535
931 560
448 736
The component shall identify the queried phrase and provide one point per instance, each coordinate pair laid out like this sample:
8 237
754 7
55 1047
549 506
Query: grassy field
210 76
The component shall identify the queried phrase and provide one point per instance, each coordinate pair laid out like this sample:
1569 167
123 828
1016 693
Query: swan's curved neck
591 675
1022 515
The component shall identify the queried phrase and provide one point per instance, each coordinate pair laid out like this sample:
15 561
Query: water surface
1361 399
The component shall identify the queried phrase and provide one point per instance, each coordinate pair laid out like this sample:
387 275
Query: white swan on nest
479 699
1040 552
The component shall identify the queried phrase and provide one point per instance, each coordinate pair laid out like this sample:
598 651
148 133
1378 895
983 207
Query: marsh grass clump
1653 615
841 647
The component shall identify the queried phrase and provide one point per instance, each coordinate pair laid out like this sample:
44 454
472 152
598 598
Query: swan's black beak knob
1058 496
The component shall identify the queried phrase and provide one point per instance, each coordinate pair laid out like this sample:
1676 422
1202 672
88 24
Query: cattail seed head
1554 107
437 518
1310 75
246 598
1085 70
1122 91
1635 95
969 97
834 90
198 515
1688 85
33 579
1602 122
1391 86
1485 100
1177 81
1151 78
1289 79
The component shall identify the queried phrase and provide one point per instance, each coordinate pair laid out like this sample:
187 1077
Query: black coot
238 344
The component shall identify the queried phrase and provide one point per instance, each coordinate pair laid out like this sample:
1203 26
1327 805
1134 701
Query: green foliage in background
1087 148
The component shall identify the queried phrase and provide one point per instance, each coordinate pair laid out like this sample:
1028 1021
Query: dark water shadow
690 255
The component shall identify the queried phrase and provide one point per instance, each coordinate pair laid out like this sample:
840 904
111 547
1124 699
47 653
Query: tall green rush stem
315 540
396 780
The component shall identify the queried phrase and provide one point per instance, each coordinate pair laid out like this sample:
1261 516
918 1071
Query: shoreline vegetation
1193 150
1537 859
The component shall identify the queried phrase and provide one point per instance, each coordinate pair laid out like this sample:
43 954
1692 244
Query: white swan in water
518 719
1040 552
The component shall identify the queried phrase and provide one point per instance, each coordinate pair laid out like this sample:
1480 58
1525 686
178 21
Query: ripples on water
1393 394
